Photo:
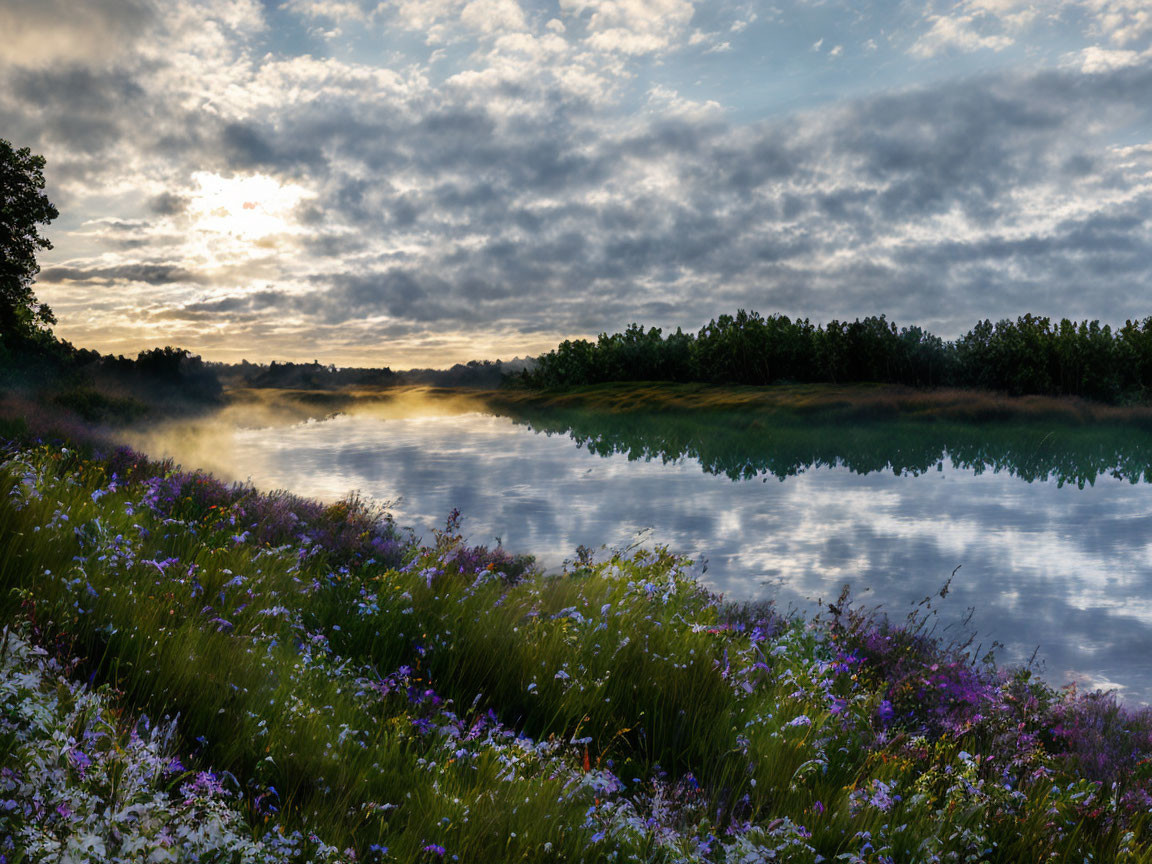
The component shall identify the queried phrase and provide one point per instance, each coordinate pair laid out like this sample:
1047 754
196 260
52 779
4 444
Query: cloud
89 110
829 213
1096 59
146 273
493 16
1121 22
631 26
960 33
42 32
971 25
340 11
537 184
168 204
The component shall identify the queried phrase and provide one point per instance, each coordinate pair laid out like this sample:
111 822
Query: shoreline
859 403
832 402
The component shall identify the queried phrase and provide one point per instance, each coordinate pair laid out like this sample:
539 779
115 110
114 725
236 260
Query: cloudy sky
419 182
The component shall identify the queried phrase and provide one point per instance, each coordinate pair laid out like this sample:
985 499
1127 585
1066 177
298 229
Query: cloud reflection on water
1059 567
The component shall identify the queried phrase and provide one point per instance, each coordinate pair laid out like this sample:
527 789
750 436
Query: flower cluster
76 785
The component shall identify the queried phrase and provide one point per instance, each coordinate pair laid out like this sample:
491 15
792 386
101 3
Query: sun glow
250 209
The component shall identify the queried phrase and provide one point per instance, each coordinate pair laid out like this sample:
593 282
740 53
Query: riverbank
830 403
101 413
345 692
825 403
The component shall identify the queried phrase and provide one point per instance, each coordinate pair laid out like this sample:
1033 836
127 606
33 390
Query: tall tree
23 207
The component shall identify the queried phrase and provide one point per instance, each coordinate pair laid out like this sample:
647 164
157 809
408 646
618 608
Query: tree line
1031 355
316 376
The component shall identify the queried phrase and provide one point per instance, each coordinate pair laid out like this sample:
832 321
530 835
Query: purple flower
79 760
881 796
435 849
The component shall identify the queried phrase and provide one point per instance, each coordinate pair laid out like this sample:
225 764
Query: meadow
193 670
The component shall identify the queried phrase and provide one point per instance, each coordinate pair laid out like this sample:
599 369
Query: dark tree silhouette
23 207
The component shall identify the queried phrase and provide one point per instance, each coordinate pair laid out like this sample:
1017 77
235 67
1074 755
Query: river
1051 529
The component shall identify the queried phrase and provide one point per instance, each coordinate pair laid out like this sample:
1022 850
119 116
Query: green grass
829 403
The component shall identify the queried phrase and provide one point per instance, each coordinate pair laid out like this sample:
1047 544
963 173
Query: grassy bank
340 692
830 403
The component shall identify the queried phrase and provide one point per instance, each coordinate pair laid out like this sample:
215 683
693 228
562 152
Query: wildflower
79 760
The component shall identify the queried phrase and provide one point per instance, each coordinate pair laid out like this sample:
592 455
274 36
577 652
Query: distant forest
316 376
1031 355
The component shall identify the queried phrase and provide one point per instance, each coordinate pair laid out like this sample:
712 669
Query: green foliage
163 373
23 207
1031 355
93 406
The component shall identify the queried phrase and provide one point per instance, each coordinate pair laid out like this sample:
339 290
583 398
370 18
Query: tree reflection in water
743 445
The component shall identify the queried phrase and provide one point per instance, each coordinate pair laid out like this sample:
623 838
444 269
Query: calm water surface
1043 564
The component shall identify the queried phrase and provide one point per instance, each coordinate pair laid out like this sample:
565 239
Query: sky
424 182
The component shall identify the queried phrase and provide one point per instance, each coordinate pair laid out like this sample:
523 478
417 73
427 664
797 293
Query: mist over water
1055 559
